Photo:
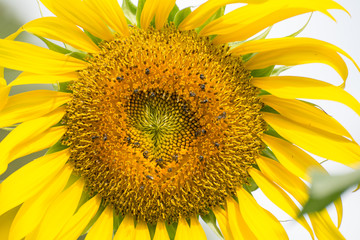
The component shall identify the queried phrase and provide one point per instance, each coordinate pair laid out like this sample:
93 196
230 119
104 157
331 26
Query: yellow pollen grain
163 124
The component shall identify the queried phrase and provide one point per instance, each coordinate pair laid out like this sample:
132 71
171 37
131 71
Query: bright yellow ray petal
103 227
58 29
25 133
199 16
222 218
281 174
301 87
236 222
142 231
244 22
261 222
29 58
33 210
5 222
305 114
30 179
197 232
162 12
279 198
60 211
148 13
78 222
312 50
30 105
126 229
31 78
112 14
183 230
321 143
324 227
160 232
80 13
47 139
4 93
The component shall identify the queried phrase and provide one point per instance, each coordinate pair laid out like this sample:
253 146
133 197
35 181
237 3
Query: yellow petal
80 13
5 222
4 93
237 224
112 14
197 232
199 16
31 78
160 232
281 175
183 230
142 231
126 229
261 222
33 210
162 12
25 133
279 198
30 179
78 222
293 51
324 227
148 13
29 58
103 227
222 218
246 21
60 211
58 29
300 87
47 139
305 114
321 143
30 105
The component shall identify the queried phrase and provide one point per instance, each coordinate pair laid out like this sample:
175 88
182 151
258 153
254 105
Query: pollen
163 124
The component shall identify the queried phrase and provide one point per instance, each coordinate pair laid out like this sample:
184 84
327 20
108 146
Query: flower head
159 122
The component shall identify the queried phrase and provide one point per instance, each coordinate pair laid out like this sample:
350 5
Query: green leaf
96 40
54 47
181 15
129 10
172 14
56 147
171 229
252 186
268 153
152 229
277 71
140 7
219 13
301 29
265 72
325 189
210 220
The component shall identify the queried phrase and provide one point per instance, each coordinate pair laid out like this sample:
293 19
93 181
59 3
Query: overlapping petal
31 78
103 227
158 9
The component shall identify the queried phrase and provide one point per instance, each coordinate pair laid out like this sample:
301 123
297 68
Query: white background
345 34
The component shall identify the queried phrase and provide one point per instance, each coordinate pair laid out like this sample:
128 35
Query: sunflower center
163 124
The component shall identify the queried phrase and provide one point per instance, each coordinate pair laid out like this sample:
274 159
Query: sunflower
160 117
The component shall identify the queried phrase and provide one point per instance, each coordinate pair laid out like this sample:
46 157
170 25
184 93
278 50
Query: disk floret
163 124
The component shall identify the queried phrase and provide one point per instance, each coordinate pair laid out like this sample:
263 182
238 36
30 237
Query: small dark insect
203 131
142 187
201 158
202 86
159 160
222 116
94 137
147 71
202 77
152 94
149 177
128 139
119 78
204 101
130 25
146 154
217 144
175 157
169 169
192 94
137 144
136 90
105 137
